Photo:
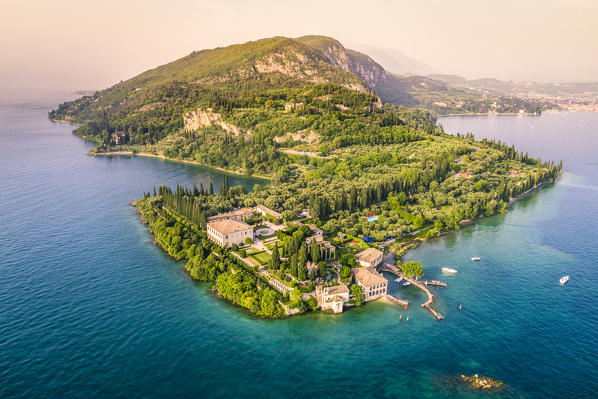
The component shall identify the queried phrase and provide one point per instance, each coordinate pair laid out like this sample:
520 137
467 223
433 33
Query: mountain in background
242 74
395 61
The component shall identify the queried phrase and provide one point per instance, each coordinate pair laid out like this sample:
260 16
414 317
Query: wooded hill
307 112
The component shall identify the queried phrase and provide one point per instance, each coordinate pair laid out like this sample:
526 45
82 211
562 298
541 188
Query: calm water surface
89 307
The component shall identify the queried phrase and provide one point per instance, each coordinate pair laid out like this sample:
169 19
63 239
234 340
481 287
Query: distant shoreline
492 114
159 156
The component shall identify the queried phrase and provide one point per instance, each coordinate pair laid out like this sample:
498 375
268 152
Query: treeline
407 181
197 204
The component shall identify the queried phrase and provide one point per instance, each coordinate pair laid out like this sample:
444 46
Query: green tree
412 269
355 290
315 251
345 271
302 262
275 262
312 303
293 265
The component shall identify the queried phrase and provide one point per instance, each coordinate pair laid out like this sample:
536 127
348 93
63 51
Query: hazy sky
82 44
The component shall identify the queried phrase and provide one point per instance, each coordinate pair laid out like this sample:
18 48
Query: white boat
564 280
448 270
406 284
475 259
398 280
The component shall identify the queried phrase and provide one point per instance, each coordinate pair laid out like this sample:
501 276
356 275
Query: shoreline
495 114
189 162
66 121
416 241
162 157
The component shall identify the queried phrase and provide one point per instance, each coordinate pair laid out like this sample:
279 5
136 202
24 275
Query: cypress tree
301 262
275 257
315 251
293 265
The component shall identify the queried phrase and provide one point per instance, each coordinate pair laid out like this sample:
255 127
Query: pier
395 300
434 283
423 285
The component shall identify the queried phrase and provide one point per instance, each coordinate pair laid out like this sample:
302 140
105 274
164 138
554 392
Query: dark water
89 307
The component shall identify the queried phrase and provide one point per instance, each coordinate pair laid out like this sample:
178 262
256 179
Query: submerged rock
479 382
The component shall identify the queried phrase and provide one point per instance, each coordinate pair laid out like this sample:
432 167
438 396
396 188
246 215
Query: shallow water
90 307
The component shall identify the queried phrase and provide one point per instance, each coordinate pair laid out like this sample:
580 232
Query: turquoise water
89 307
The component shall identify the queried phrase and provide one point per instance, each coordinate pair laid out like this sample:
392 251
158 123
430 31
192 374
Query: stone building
332 298
370 257
228 232
240 215
373 283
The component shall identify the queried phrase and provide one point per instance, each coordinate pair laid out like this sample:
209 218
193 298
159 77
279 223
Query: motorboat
398 280
475 259
564 280
406 284
449 270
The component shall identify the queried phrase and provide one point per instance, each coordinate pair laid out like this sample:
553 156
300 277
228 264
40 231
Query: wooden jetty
423 285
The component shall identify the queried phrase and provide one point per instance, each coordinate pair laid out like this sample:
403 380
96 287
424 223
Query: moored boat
448 270
398 280
406 284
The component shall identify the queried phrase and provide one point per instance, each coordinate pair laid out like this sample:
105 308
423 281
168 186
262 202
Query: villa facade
374 285
370 257
228 232
332 298
265 211
240 215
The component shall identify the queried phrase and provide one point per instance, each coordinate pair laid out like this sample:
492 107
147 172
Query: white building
370 257
228 232
332 298
373 283
265 211
240 215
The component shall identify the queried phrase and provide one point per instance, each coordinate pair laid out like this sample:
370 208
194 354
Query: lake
90 307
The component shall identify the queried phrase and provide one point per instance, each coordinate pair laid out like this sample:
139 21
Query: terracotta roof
368 255
242 211
229 226
369 277
338 289
335 298
269 211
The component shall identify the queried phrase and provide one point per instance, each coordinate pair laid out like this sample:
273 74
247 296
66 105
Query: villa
370 257
373 283
332 298
228 232
240 215
265 211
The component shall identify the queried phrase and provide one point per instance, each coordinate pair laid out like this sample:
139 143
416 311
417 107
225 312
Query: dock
423 285
396 300
434 283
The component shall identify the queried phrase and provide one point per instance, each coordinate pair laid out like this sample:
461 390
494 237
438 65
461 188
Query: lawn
263 257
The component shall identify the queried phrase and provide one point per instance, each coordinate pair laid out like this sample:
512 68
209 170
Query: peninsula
353 176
